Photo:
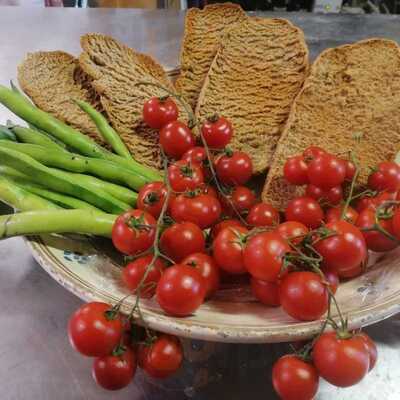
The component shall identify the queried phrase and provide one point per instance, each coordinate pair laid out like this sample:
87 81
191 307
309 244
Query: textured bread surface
352 91
202 37
116 72
52 79
253 80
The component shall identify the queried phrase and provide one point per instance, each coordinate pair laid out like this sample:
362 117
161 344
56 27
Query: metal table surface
36 361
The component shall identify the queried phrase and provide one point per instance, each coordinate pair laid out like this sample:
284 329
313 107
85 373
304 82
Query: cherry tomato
133 232
350 170
115 372
332 278
181 290
176 138
133 273
312 152
240 200
303 295
234 168
182 239
373 202
326 171
341 362
203 210
94 330
208 189
198 155
263 255
266 292
305 210
217 132
263 214
295 170
364 203
396 223
162 358
333 195
208 270
335 214
293 231
372 350
226 223
294 379
352 272
151 198
386 177
184 176
158 112
228 249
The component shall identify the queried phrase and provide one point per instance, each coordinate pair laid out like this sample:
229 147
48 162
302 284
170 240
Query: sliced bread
253 80
352 91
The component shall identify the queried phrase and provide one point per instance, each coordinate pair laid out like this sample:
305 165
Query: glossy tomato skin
115 372
182 239
293 231
372 350
176 138
266 292
263 255
130 239
350 170
151 198
217 133
91 332
181 290
333 196
387 177
333 279
184 176
334 214
208 269
305 210
341 362
198 155
159 112
326 171
294 379
303 295
312 152
235 169
295 170
263 214
226 223
242 198
396 223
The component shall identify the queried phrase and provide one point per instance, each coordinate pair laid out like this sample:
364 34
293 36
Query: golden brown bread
253 80
202 36
351 90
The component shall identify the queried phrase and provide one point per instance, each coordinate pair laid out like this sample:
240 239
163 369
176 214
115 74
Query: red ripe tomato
240 200
372 350
263 214
115 372
332 278
151 198
341 362
396 223
312 152
326 171
295 170
234 168
226 223
94 330
294 379
383 197
344 250
208 270
305 210
293 231
181 290
208 189
203 210
333 195
350 170
184 176
133 273
266 292
176 138
162 358
217 132
376 241
386 177
198 155
182 239
303 295
315 192
335 214
133 232
263 255
158 112
364 203
228 249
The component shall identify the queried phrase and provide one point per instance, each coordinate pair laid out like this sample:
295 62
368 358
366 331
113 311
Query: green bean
7 134
16 90
28 135
56 221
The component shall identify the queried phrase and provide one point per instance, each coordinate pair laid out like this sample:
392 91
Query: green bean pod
7 134
31 136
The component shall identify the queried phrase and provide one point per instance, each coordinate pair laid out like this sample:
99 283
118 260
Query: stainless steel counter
36 361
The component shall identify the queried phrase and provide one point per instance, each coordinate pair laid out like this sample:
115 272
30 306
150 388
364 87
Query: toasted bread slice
253 80
352 91
117 72
203 33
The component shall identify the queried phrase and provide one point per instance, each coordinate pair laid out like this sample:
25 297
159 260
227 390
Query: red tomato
228 249
115 372
133 273
344 250
373 202
386 177
295 170
312 152
352 272
203 210
151 198
303 295
240 200
263 255
207 268
263 214
94 331
332 278
396 223
176 138
266 292
162 358
326 171
208 189
234 169
158 112
364 203
181 290
350 170
182 239
217 132
198 155
333 195
305 210
293 231
184 176
341 362
226 223
335 214
294 379
371 347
